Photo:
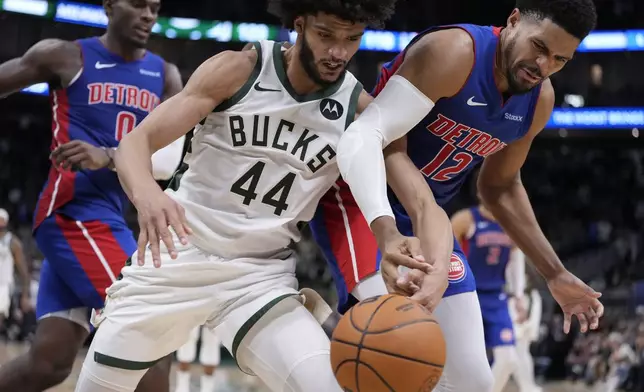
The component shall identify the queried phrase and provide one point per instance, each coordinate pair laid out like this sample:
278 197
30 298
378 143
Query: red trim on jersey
465 247
60 183
349 235
497 33
89 255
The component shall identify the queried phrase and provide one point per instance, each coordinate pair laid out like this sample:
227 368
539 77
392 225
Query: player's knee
506 356
51 367
312 374
479 379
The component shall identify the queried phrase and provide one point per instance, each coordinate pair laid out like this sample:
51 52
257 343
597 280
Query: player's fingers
184 222
567 322
178 227
163 232
410 262
583 322
141 244
593 318
599 308
414 249
153 240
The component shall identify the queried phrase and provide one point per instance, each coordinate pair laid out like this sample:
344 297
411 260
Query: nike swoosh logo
472 103
260 88
100 65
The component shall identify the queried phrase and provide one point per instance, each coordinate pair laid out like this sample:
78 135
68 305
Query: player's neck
296 74
499 76
121 49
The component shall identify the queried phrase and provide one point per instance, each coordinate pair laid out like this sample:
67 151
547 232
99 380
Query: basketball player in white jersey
209 358
261 158
11 254
526 312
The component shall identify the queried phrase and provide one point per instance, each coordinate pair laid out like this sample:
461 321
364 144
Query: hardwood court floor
229 378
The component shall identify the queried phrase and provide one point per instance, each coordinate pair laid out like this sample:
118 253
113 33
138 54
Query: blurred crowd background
584 175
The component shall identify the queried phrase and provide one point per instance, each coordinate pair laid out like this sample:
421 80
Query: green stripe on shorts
123 363
245 328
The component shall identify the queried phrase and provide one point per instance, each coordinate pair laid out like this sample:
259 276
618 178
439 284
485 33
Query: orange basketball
388 343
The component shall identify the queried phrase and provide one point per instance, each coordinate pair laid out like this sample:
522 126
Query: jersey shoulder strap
245 88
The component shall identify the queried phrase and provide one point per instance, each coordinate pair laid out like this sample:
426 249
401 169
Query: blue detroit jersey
105 102
488 252
460 131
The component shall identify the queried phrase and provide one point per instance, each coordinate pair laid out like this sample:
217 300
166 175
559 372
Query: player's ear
108 6
299 24
514 17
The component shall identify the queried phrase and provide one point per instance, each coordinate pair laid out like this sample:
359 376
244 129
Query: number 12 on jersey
276 197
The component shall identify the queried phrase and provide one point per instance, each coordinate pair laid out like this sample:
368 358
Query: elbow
355 144
491 194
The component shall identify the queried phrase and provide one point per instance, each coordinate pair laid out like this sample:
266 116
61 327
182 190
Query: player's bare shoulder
441 61
224 74
59 58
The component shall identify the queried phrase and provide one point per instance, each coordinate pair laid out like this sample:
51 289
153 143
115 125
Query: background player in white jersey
260 160
527 320
209 358
11 254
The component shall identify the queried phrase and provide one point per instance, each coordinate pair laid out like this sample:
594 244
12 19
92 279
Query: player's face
327 45
534 50
133 19
3 225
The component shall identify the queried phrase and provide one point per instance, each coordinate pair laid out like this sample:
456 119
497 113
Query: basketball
388 343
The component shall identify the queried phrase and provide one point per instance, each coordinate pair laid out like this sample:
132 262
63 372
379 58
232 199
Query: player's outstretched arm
43 62
430 222
213 82
462 223
166 160
436 66
502 192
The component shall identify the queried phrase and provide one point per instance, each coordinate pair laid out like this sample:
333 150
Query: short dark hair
371 12
577 17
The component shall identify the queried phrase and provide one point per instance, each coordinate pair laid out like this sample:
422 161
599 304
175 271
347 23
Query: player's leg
524 372
466 367
210 358
62 326
148 314
186 354
5 305
499 337
283 345
345 238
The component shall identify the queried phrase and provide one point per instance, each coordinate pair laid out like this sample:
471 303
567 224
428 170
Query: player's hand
521 309
157 213
430 287
398 250
78 154
576 298
25 304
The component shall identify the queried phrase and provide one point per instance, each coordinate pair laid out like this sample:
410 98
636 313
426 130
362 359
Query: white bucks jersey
6 260
261 161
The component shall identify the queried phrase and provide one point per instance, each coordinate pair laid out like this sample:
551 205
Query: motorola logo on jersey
331 109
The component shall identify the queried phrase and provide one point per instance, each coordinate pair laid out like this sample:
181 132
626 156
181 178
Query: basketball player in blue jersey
461 95
495 261
101 88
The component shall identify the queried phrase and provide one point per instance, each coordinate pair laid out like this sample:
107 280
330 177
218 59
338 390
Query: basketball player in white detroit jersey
11 254
260 160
